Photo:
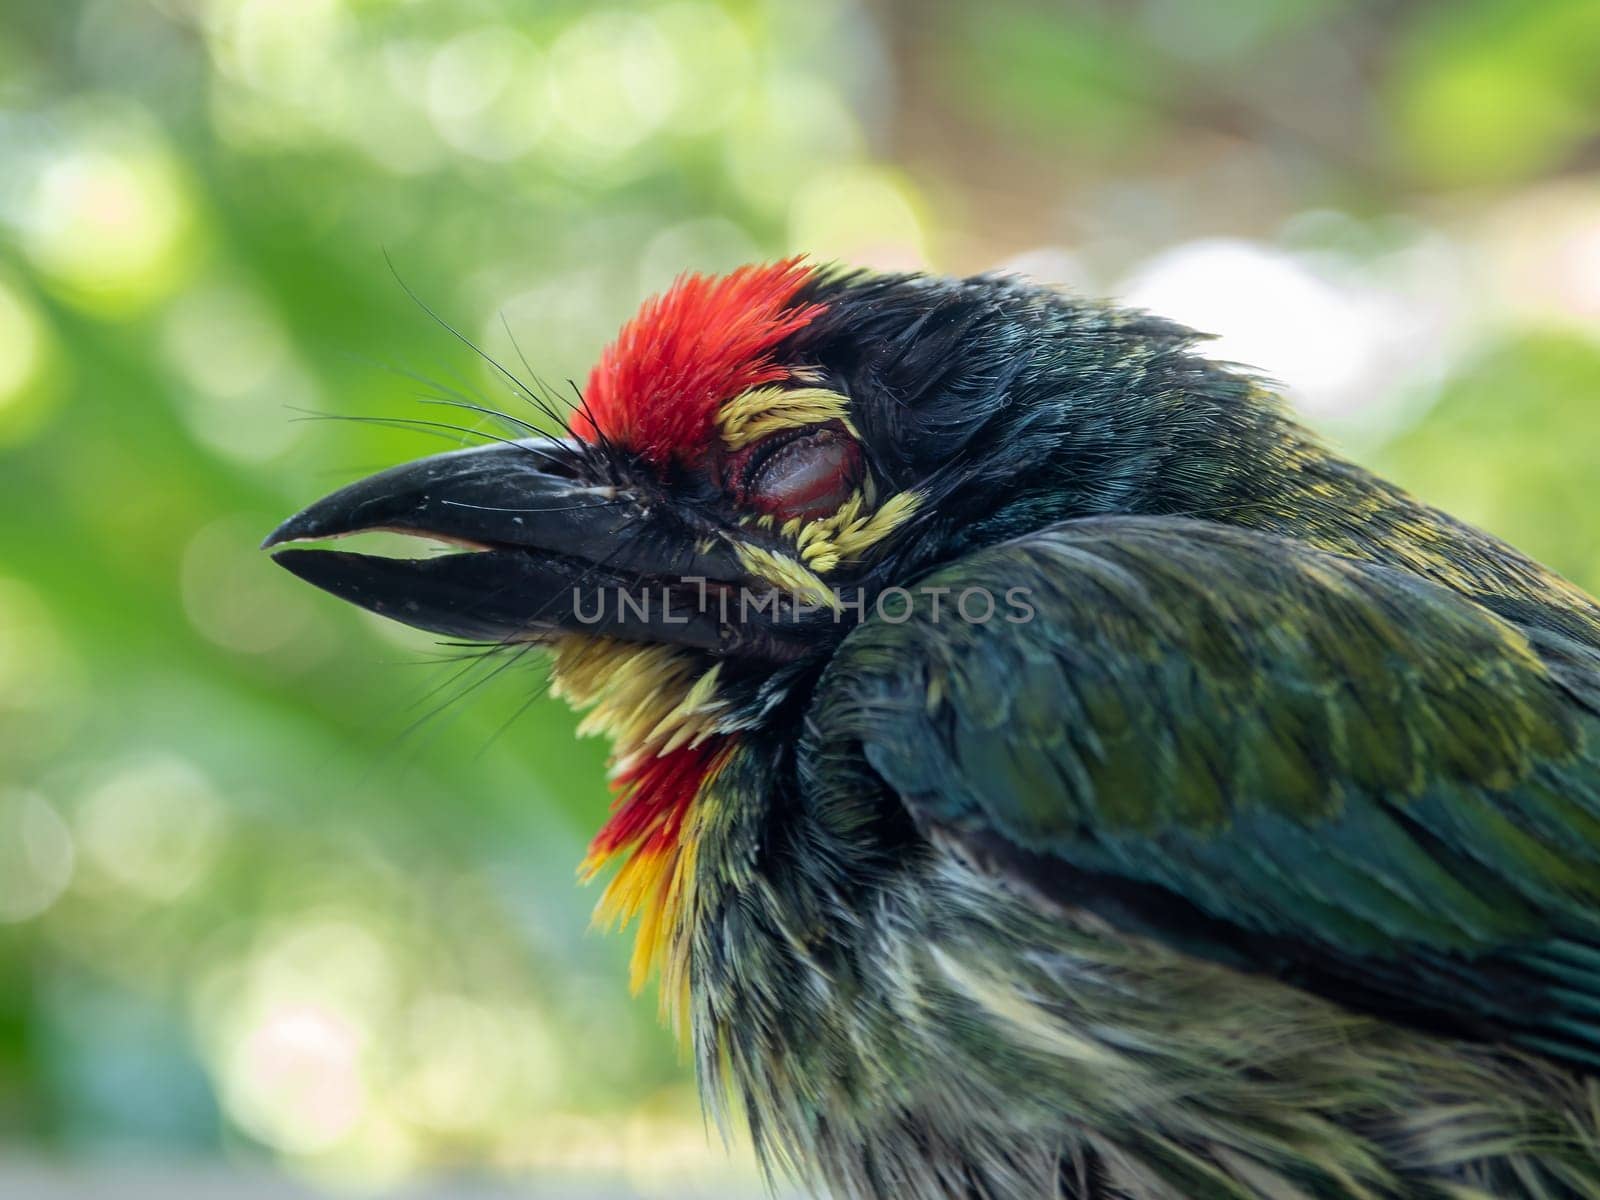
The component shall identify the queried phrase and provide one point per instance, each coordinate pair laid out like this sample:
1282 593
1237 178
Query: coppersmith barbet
1124 796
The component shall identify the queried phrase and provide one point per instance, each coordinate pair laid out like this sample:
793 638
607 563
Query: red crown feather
657 388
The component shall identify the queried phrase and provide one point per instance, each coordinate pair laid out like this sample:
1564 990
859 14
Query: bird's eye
807 476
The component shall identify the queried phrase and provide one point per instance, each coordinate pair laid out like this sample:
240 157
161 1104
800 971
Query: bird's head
757 462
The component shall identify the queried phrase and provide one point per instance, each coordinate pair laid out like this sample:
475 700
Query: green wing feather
1295 762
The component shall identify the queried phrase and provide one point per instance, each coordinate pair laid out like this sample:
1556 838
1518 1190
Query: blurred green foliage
1512 443
282 883
1490 92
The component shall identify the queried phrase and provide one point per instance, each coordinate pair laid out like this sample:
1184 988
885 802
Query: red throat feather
652 798
657 388
655 799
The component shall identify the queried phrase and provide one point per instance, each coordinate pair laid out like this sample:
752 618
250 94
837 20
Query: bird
1042 767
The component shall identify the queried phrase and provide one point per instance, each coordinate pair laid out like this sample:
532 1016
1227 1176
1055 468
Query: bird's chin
543 554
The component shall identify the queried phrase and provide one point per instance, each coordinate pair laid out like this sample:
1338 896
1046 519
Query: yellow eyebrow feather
752 415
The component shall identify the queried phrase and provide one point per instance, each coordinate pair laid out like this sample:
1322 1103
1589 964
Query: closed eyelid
807 475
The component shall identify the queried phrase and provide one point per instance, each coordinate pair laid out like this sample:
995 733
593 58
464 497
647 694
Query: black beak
548 551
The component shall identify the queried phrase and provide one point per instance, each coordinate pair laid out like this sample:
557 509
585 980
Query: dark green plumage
1329 769
1259 859
1263 861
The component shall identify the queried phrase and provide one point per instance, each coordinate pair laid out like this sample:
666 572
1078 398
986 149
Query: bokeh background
286 895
